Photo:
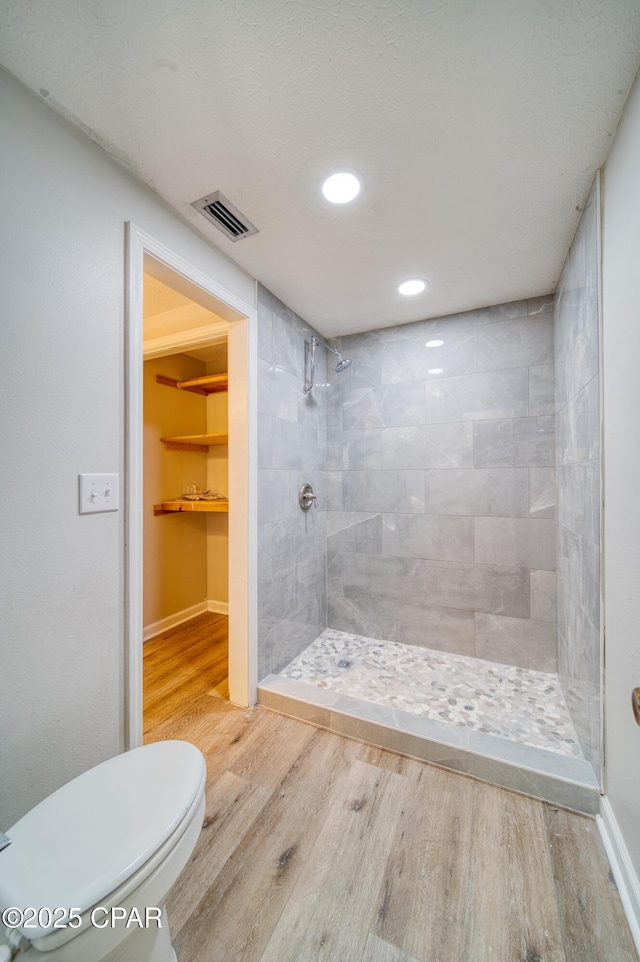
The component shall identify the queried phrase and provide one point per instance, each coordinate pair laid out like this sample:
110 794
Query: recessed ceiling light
436 370
341 187
434 343
414 286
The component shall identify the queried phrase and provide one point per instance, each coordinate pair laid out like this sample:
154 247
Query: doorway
185 501
237 320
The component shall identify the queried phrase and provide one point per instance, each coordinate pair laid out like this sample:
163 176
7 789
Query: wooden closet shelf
207 384
194 442
170 507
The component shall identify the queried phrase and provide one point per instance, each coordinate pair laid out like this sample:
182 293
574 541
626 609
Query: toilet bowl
89 868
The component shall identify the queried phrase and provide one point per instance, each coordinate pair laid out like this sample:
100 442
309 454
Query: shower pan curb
551 777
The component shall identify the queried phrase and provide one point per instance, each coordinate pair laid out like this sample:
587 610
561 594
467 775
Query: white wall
621 456
64 206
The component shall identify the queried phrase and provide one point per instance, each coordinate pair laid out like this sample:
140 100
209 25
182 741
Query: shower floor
524 706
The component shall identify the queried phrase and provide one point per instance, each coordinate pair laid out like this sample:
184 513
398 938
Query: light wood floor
316 847
182 664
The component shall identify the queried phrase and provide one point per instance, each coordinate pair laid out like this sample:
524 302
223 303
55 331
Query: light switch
99 492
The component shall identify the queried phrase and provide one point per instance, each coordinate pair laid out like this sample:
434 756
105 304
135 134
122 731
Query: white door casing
242 319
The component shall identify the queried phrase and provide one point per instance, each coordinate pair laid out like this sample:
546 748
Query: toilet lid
94 833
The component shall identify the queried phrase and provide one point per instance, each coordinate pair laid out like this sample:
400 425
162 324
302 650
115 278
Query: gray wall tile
385 406
437 537
296 446
291 443
516 641
579 499
265 442
475 397
287 350
382 336
265 553
277 495
519 342
484 492
278 391
579 487
542 390
579 648
265 334
520 542
577 330
542 492
412 623
383 491
477 587
584 703
517 442
578 426
411 360
543 596
295 540
283 641
355 450
540 305
333 488
334 405
395 579
477 318
366 367
428 446
312 407
339 521
578 573
357 533
442 584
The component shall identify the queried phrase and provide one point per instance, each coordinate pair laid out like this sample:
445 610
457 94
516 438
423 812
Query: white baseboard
622 867
220 607
157 627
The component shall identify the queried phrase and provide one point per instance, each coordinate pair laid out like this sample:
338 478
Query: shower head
343 363
310 353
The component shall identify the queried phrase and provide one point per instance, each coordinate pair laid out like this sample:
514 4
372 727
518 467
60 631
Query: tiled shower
425 581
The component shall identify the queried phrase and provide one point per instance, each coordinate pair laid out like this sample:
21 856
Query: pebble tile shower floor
516 703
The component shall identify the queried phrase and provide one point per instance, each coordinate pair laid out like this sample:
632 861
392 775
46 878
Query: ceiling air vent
225 216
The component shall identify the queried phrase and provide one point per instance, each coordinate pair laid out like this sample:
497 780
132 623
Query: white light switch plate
99 492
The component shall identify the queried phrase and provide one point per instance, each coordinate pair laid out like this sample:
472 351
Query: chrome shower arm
310 360
319 340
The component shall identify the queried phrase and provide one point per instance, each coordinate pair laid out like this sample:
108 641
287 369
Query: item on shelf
212 496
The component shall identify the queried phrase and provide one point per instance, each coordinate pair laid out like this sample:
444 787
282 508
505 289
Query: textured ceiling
477 125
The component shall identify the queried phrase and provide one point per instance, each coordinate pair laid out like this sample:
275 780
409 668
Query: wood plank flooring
317 847
182 664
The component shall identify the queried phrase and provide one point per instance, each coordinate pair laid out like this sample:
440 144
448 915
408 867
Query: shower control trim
306 497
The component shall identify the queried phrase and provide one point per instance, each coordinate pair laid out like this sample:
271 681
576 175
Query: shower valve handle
306 496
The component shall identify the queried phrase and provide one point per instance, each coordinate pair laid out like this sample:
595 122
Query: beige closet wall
218 481
175 545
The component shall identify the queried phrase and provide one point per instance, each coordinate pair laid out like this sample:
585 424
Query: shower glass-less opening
444 541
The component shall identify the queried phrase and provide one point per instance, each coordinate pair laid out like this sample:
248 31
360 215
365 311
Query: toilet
107 847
